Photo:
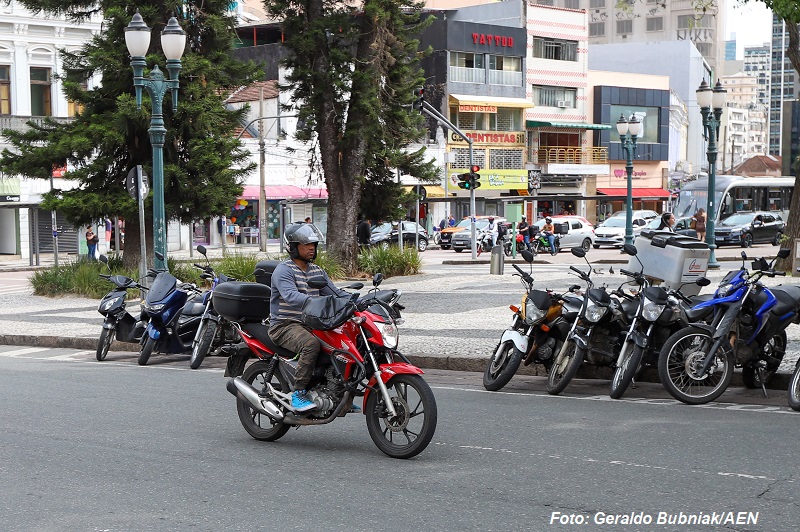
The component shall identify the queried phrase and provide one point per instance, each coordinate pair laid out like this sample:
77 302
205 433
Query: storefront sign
493 179
621 173
490 137
477 108
493 40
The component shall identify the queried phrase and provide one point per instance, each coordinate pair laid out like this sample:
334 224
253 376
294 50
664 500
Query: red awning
636 192
280 192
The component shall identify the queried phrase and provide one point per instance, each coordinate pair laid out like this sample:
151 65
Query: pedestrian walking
700 224
363 232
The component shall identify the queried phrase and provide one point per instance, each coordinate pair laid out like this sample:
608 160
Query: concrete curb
779 381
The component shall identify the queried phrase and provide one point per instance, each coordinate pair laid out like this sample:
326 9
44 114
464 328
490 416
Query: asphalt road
115 446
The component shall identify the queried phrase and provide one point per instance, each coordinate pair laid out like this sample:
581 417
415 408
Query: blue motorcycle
748 329
173 316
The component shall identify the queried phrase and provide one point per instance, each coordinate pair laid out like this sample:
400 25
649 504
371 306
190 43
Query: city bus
736 194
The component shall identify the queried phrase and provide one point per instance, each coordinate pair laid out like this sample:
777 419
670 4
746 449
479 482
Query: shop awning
287 192
431 191
572 125
636 192
498 101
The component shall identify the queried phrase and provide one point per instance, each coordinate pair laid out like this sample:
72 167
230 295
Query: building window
554 97
572 4
467 67
506 159
624 27
505 119
460 159
655 24
73 108
597 29
555 49
40 92
5 90
545 2
687 22
504 70
596 4
704 48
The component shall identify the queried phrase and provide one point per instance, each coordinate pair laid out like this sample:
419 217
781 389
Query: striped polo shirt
290 290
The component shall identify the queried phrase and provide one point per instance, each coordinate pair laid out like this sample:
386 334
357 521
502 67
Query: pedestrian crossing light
475 177
419 98
465 181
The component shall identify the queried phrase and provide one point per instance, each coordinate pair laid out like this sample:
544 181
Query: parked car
386 234
683 226
612 231
462 240
580 233
748 228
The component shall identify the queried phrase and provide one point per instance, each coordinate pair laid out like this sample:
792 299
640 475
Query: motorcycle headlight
533 313
153 308
724 290
390 334
594 312
652 311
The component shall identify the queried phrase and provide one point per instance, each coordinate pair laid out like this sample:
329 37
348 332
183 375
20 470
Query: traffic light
465 181
475 177
419 98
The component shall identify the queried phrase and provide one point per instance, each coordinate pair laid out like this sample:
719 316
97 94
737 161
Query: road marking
70 356
739 407
19 352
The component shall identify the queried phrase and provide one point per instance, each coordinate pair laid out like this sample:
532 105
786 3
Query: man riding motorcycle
290 289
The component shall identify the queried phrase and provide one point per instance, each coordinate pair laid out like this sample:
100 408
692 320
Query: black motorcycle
118 322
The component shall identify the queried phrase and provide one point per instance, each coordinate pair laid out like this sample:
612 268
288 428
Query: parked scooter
358 357
537 330
173 316
214 331
118 322
654 313
748 330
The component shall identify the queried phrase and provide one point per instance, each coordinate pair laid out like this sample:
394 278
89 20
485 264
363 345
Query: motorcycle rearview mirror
630 249
377 279
744 258
527 256
579 252
576 287
317 282
103 259
783 253
703 281
159 256
201 249
354 286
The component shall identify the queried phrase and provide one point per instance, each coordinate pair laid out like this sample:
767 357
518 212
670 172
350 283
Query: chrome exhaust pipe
242 390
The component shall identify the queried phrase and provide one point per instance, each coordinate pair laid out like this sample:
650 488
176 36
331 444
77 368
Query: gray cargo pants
296 337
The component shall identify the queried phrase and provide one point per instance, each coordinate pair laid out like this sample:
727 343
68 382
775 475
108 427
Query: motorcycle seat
787 302
193 308
701 299
259 331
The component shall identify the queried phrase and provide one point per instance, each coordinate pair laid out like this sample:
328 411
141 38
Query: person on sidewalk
700 224
290 289
109 225
363 232
91 243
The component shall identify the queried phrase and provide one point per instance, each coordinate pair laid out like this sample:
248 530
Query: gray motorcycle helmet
301 233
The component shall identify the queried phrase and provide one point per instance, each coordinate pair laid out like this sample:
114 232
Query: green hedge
390 261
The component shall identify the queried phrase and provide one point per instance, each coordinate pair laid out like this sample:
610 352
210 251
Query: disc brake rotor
693 364
400 422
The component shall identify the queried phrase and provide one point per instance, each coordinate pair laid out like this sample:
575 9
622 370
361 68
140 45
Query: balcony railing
20 123
504 77
467 75
571 155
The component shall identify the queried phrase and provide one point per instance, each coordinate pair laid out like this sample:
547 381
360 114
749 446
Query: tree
203 162
353 71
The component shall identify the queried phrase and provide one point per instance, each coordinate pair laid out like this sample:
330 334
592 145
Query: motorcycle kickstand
760 372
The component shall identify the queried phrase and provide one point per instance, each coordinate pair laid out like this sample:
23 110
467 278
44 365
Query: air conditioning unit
562 104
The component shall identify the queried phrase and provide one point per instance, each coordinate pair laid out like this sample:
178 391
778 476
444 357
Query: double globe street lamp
707 99
628 133
173 42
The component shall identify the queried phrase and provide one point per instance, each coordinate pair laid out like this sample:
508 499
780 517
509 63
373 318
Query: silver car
612 231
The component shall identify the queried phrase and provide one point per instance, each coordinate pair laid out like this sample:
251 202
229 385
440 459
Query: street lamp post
173 42
706 99
628 133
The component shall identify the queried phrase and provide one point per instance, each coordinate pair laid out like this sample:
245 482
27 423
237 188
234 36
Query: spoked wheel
257 425
208 328
104 343
763 370
411 431
502 366
794 389
623 375
679 365
565 367
146 351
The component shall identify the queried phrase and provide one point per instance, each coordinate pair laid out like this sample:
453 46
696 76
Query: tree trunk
132 251
792 230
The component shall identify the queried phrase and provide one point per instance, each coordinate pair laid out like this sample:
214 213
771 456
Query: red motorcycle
359 357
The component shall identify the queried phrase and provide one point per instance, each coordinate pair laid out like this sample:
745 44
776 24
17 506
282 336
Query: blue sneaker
354 409
300 402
